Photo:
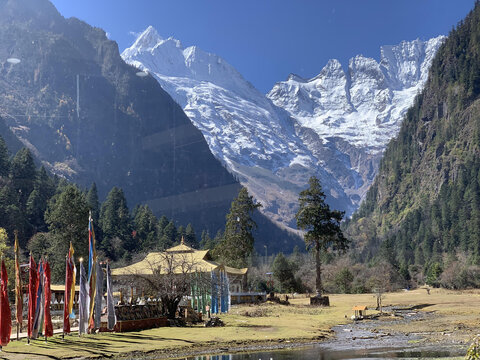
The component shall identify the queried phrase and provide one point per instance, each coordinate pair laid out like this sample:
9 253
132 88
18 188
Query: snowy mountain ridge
334 126
363 106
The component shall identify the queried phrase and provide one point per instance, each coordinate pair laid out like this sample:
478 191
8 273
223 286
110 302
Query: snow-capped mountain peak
407 63
146 40
333 68
365 105
334 125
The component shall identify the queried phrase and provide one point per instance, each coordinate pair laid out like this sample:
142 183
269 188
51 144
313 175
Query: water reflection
319 353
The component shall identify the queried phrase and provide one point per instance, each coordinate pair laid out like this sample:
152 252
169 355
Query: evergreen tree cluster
284 270
236 244
119 234
24 194
49 213
424 206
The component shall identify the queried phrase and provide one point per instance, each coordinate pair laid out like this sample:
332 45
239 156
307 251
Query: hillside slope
86 116
425 201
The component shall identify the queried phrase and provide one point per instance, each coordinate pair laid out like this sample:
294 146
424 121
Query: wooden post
65 305
16 285
1 281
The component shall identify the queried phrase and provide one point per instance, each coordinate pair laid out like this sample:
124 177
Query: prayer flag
5 315
221 306
83 301
32 295
18 285
111 317
39 303
48 328
214 293
68 300
99 297
92 274
74 275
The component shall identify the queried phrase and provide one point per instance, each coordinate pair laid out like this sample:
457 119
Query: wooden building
360 311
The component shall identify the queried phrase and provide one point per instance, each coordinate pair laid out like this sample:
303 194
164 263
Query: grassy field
457 319
458 314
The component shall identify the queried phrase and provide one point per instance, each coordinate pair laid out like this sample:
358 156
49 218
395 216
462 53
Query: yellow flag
72 290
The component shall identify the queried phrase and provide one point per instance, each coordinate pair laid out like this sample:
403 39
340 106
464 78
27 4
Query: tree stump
320 301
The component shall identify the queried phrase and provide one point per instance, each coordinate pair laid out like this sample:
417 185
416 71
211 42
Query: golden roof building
183 259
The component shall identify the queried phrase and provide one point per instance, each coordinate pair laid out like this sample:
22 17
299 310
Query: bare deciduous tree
167 276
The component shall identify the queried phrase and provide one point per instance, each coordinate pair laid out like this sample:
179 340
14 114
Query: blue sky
268 39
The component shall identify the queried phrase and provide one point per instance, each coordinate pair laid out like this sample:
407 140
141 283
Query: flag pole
45 296
17 278
65 299
1 300
28 313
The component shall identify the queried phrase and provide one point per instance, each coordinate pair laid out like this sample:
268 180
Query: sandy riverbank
454 318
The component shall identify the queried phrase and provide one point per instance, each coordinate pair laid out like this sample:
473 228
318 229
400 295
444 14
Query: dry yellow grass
459 313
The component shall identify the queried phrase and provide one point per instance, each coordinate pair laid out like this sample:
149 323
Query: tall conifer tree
321 225
237 243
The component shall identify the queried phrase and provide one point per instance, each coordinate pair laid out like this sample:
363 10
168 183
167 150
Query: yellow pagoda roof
181 248
180 259
167 263
235 271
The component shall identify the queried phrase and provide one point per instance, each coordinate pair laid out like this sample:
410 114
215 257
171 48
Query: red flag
68 293
48 330
5 315
32 295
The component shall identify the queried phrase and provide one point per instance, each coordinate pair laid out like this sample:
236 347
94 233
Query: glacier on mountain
334 126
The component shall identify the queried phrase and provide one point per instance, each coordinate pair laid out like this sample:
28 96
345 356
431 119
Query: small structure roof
182 248
360 308
235 271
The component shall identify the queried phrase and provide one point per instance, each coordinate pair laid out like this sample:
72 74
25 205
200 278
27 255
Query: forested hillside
87 117
48 213
424 206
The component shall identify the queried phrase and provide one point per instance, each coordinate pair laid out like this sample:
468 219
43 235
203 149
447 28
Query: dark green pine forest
49 212
422 213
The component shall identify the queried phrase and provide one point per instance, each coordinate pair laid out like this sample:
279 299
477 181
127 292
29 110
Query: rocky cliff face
86 116
334 126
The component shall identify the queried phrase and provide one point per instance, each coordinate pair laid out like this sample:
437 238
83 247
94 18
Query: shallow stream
360 340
